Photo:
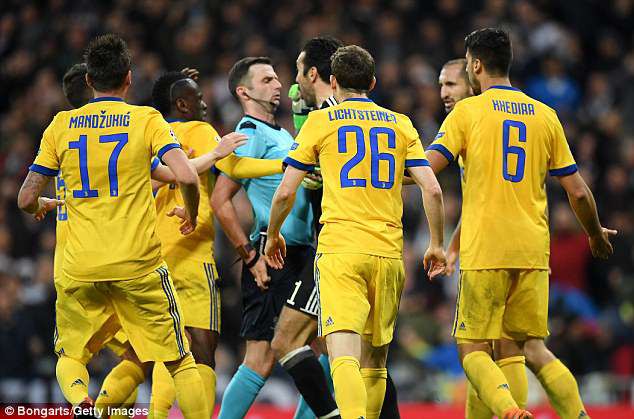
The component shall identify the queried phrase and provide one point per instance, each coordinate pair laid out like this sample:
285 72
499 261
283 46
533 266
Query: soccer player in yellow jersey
509 142
112 259
555 378
363 151
191 258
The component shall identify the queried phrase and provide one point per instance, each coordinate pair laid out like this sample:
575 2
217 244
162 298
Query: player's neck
113 93
342 95
488 81
322 92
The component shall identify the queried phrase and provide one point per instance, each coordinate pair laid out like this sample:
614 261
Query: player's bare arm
281 206
453 250
437 160
585 209
224 190
187 178
434 260
29 199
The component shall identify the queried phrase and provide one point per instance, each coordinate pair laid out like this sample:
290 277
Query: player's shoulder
541 107
195 127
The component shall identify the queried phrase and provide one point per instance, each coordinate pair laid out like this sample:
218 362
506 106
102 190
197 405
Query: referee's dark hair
240 69
74 86
492 46
317 53
163 95
108 61
354 68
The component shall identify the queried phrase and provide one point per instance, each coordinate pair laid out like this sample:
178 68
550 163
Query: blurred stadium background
577 57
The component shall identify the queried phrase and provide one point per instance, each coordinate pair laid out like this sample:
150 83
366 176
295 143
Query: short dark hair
317 53
108 61
74 86
353 68
240 69
462 63
492 46
161 91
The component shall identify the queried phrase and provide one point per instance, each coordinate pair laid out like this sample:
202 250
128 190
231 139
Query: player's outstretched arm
225 147
187 178
424 177
227 216
281 206
29 199
585 209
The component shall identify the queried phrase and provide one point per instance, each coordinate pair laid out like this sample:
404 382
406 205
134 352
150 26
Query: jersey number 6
375 156
509 149
82 145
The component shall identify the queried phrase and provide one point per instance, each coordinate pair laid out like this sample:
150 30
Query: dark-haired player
273 321
191 258
363 150
112 259
508 143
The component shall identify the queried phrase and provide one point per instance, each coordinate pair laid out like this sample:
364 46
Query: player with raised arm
191 258
112 260
363 150
276 312
508 142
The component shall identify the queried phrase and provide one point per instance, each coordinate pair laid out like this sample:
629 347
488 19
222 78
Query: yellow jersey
363 150
104 150
508 142
198 246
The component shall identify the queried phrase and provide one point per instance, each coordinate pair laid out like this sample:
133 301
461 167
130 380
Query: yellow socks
119 384
72 377
163 392
475 407
128 404
375 381
488 381
189 388
350 392
562 390
514 369
208 376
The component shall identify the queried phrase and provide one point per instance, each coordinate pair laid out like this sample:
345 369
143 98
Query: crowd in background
577 57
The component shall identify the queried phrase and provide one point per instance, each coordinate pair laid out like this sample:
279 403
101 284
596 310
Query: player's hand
434 262
298 106
260 273
45 205
188 225
230 142
313 180
452 258
275 251
192 73
600 244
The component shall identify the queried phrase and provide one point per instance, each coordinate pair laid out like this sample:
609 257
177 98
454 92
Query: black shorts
293 285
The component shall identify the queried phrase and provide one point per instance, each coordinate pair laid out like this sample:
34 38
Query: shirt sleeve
415 153
304 152
451 138
160 135
47 161
561 163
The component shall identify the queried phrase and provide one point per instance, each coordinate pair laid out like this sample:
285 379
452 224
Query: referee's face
306 89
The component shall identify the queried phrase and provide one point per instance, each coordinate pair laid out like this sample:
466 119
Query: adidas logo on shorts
462 326
506 386
329 321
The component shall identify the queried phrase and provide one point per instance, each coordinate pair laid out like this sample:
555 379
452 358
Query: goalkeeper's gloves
313 180
300 109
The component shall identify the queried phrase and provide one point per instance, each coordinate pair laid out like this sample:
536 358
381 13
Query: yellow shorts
147 309
502 303
360 293
197 287
119 343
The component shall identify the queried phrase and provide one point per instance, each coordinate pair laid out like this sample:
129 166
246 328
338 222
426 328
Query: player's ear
88 81
372 84
312 73
128 79
477 65
181 105
333 82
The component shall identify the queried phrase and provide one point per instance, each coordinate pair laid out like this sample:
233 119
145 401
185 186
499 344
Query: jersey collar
274 126
170 120
105 99
358 99
505 88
